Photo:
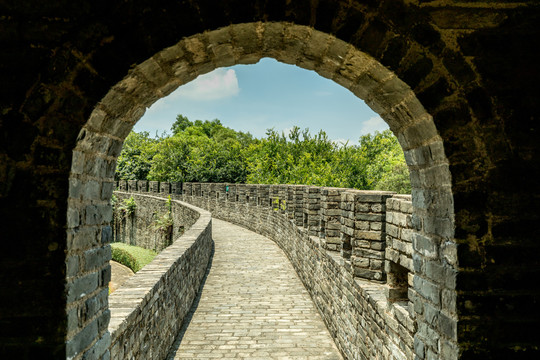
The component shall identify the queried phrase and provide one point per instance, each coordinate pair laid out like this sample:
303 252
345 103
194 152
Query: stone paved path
119 274
253 306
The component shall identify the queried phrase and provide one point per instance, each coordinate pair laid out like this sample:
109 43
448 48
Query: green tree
135 160
385 163
207 151
203 151
181 124
171 160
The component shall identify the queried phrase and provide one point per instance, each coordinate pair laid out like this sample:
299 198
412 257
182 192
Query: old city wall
142 227
352 249
148 310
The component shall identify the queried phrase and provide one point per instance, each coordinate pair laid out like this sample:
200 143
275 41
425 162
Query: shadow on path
194 306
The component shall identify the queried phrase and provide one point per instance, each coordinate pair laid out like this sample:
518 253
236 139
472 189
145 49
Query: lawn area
133 257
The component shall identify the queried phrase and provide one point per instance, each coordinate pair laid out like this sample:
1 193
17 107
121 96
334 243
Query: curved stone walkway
119 274
253 306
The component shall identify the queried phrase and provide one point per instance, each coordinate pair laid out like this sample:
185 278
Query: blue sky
266 95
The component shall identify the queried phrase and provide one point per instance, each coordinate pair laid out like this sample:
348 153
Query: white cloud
218 84
375 123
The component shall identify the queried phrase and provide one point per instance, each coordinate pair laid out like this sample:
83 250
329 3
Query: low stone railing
141 228
147 311
352 249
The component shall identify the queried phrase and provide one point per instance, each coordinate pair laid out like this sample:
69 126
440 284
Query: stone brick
107 190
419 348
362 225
425 246
72 265
447 325
82 238
92 215
95 258
427 289
434 271
81 340
106 234
73 218
393 230
82 286
368 235
374 226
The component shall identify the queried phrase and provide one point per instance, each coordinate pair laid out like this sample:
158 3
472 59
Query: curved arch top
116 114
456 82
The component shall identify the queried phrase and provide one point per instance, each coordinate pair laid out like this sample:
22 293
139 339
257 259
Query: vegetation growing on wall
209 152
125 208
163 223
122 211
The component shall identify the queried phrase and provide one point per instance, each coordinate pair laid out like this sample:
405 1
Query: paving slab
119 274
252 306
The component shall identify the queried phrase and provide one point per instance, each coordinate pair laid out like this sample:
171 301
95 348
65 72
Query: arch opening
100 142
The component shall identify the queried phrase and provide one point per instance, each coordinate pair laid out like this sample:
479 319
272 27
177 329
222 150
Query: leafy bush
133 257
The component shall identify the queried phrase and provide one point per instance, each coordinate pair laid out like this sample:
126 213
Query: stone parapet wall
147 311
331 218
336 240
141 229
399 232
399 249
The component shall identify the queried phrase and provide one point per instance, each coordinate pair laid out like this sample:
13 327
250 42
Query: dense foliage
206 151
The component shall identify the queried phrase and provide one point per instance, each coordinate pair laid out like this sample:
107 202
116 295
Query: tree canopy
207 151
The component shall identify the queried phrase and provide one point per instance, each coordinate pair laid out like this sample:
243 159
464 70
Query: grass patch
133 257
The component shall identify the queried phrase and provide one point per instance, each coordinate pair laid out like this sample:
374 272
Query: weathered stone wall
399 249
140 227
457 82
147 311
352 296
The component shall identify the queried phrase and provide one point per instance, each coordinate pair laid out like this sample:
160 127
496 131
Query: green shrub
133 257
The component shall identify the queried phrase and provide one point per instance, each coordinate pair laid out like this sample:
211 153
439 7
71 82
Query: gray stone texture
253 305
140 228
353 303
458 85
147 311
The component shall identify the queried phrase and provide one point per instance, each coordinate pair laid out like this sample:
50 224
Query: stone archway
100 141
472 65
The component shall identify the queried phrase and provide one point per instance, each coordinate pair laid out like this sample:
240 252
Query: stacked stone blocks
176 188
290 201
187 189
165 187
399 250
263 195
140 229
367 243
298 205
274 197
230 192
148 310
132 185
311 206
153 187
122 185
349 293
142 185
330 218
